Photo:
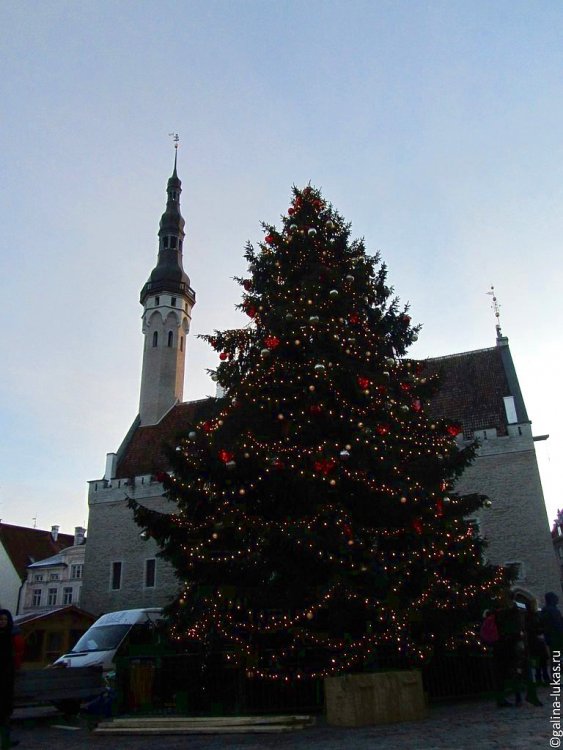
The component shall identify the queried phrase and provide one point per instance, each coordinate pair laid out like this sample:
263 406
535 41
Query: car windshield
102 638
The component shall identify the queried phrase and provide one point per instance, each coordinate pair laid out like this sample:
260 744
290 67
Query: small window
165 242
173 242
38 577
180 243
52 597
67 595
155 339
181 343
36 601
170 338
54 577
157 301
116 575
150 570
76 570
173 301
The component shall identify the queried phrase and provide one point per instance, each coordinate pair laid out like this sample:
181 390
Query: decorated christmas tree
315 525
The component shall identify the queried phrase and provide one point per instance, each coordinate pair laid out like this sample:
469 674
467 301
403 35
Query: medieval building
480 390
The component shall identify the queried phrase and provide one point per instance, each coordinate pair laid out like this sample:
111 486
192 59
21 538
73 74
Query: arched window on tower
155 339
170 338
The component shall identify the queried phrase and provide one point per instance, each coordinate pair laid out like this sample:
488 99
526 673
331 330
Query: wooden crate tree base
356 700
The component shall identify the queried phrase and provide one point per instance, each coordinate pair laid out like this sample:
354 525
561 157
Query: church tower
167 301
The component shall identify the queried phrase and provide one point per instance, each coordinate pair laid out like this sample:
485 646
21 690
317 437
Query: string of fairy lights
323 441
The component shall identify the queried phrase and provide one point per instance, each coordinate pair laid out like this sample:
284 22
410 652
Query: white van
100 642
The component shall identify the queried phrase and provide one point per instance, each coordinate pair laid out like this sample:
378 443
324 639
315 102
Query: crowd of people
523 641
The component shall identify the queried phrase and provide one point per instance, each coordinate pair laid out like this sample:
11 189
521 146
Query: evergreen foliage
316 524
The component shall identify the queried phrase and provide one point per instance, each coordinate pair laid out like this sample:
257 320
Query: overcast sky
434 127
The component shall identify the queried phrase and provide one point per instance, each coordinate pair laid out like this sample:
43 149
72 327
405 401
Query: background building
56 581
20 547
479 389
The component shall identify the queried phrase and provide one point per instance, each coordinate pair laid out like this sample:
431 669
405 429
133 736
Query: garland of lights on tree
316 527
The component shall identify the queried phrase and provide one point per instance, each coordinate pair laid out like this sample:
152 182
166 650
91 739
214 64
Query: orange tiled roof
25 546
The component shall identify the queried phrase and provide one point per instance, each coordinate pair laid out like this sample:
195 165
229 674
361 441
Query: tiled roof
55 612
473 386
24 546
472 390
146 451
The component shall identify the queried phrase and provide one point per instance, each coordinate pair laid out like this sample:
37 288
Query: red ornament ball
269 238
272 342
453 430
225 456
291 211
363 382
354 318
223 356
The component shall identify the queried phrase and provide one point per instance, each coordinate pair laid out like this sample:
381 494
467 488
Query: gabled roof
30 616
25 546
145 452
472 390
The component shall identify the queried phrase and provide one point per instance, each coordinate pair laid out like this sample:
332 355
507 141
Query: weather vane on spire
496 307
176 138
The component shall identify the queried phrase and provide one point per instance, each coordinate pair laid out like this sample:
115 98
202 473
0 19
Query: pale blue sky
434 127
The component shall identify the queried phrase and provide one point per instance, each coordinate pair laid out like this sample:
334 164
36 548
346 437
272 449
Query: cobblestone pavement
461 726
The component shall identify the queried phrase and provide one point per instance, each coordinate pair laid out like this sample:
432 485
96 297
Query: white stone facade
55 582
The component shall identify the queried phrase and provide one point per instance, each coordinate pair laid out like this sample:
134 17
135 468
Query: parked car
110 633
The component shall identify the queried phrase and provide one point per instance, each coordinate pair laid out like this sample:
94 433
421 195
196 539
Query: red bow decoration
363 382
417 525
325 465
354 318
382 429
453 429
225 456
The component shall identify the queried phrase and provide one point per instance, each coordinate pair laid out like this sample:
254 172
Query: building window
170 338
157 301
173 301
52 597
67 595
181 343
36 601
155 339
116 575
166 242
76 570
516 569
38 577
54 577
172 241
150 571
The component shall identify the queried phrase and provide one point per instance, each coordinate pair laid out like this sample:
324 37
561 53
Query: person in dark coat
511 655
552 622
7 676
539 653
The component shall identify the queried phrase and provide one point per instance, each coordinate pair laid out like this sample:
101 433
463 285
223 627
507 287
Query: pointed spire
169 273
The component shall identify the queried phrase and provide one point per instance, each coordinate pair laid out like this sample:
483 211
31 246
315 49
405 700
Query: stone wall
516 526
114 537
